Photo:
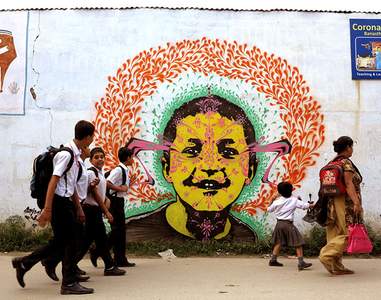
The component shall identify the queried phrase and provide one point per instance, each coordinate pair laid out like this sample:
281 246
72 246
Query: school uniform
285 231
94 227
63 221
117 238
81 188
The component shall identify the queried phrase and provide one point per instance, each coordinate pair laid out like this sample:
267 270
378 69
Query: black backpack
94 170
43 170
124 180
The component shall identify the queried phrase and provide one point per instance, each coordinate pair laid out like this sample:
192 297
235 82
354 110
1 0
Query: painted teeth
209 185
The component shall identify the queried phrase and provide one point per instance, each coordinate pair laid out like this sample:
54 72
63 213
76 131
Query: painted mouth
212 186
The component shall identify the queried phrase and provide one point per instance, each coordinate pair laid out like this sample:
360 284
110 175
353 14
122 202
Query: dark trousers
64 241
95 231
117 238
55 258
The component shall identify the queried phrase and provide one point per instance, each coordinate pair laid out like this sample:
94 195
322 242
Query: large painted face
209 161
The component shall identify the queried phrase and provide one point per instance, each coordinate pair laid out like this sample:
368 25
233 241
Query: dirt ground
206 278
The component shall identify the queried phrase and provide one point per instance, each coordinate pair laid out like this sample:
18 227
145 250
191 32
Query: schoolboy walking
118 184
285 233
93 206
62 207
83 185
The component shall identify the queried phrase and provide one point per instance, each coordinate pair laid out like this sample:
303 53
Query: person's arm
102 205
118 188
46 214
351 191
272 206
78 207
303 205
93 184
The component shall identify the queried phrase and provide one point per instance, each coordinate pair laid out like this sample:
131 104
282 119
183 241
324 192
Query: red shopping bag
358 239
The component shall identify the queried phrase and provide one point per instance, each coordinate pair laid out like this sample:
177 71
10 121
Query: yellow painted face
209 161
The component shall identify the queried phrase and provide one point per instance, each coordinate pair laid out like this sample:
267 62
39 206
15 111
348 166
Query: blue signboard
366 48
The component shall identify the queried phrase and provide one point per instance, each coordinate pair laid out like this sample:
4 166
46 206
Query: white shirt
116 178
101 187
66 184
82 182
284 208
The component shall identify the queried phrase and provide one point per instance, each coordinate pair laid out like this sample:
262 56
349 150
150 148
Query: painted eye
192 151
229 153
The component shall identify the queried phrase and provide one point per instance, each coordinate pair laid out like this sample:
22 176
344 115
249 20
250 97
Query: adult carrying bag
43 170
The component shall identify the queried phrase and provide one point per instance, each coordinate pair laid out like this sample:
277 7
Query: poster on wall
366 48
13 42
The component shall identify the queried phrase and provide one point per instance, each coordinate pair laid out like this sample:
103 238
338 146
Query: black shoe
75 289
275 263
78 271
51 272
114 271
126 264
20 270
303 265
82 278
93 258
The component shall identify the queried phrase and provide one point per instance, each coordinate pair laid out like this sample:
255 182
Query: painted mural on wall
214 124
13 32
7 54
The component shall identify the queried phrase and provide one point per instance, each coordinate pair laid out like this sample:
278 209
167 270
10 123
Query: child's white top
116 178
101 187
284 208
82 182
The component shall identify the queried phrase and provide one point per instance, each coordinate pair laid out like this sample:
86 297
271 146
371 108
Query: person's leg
331 254
301 263
52 249
25 263
273 261
68 233
118 231
81 231
341 242
110 269
89 233
50 264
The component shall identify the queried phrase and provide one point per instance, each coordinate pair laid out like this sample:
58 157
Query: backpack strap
95 170
357 170
80 171
69 165
124 175
71 161
338 158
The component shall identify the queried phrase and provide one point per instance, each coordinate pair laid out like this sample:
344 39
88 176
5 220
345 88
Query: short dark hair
342 143
216 103
83 129
124 153
96 150
285 189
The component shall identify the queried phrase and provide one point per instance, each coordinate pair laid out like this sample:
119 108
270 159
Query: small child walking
285 233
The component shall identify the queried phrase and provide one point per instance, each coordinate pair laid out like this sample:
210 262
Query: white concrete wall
71 53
